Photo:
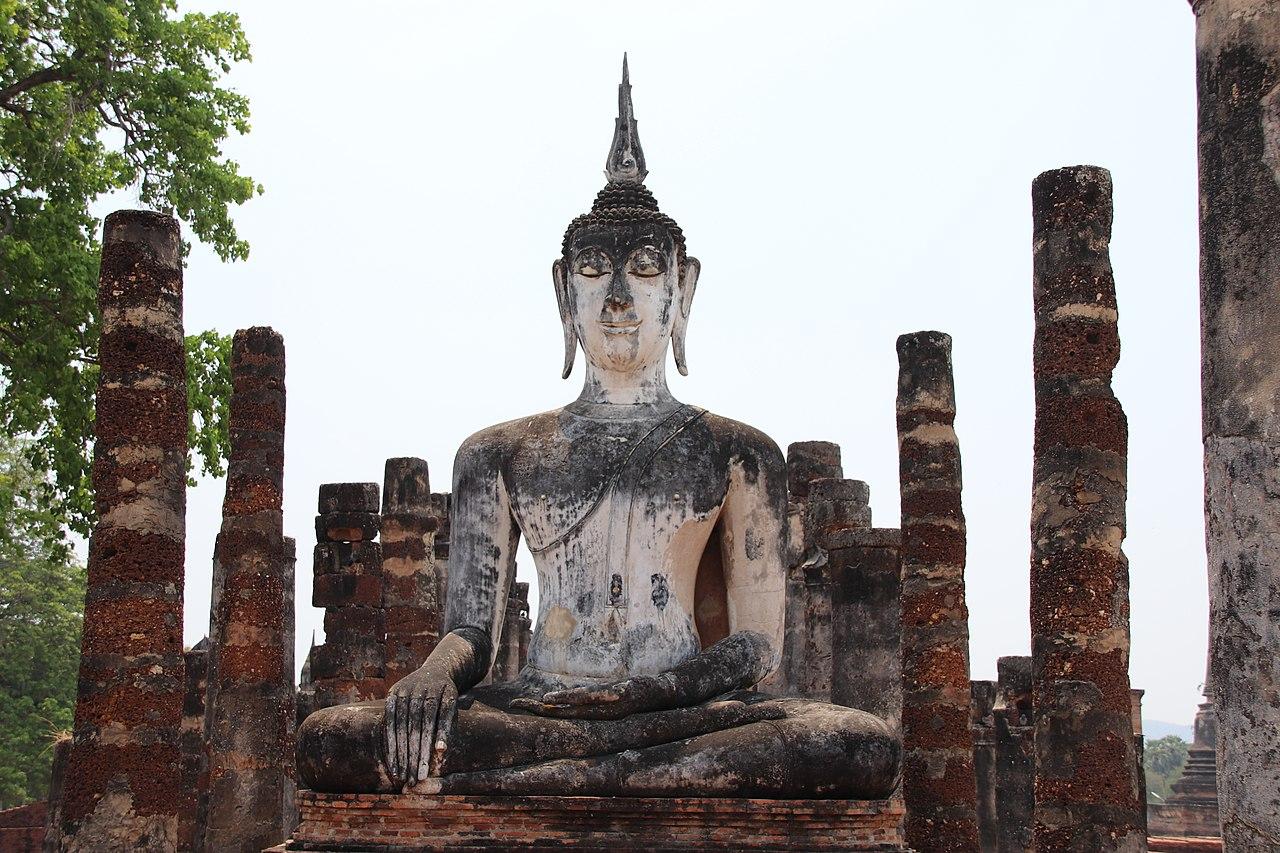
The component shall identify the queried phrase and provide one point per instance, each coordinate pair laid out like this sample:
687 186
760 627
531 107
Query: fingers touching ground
448 712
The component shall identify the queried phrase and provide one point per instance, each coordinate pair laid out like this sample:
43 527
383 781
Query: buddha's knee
340 750
841 752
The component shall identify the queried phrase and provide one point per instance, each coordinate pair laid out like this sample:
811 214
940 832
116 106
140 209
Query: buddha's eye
647 262
593 263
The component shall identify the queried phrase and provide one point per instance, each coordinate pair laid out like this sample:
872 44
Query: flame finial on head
626 158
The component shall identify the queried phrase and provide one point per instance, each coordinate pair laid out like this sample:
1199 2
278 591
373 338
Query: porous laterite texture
250 691
1238 78
123 780
1087 792
938 780
413 595
404 822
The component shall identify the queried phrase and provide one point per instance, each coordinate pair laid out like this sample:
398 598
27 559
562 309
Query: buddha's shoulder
744 441
496 443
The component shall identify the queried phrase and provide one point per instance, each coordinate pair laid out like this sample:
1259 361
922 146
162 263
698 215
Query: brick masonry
371 822
123 779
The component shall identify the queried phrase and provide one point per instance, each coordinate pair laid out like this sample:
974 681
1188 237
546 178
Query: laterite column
938 780
124 772
1087 795
249 697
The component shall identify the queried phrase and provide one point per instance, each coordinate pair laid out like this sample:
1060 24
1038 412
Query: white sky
846 172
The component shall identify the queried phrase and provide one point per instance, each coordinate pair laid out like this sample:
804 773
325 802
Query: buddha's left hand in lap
735 663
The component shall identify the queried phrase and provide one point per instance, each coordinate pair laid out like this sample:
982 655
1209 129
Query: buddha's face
623 287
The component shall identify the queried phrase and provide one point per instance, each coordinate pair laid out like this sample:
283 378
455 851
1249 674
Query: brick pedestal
374 822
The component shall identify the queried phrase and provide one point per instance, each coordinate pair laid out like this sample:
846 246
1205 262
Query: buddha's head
624 282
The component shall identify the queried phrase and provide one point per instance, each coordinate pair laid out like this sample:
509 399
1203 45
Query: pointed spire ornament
626 158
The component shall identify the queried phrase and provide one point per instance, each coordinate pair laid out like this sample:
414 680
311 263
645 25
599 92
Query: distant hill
1156 729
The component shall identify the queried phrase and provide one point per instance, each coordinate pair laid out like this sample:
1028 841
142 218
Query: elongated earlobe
561 282
688 284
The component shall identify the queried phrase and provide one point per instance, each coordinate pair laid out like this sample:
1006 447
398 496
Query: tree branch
44 75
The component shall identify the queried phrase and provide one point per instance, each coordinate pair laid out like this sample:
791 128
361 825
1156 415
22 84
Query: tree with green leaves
1163 760
97 96
41 608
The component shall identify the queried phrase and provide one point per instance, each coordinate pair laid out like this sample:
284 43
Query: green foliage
1163 760
41 607
209 399
95 96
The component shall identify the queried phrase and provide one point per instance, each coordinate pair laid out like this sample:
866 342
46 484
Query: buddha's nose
618 297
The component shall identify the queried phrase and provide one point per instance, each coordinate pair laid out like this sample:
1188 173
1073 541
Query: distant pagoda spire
626 158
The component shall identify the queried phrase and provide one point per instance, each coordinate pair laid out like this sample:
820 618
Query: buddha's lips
619 328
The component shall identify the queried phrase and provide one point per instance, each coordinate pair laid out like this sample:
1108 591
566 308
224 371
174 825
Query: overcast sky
846 172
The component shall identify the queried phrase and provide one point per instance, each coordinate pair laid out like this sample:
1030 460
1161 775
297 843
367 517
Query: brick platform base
394 823
1169 844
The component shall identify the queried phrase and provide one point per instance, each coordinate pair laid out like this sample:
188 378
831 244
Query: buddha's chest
602 480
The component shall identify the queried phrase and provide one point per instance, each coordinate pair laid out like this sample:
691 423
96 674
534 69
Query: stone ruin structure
439 713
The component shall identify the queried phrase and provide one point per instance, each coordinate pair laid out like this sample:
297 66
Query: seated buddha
636 508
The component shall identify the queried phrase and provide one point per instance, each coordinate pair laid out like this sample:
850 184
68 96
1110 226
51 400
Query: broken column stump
983 728
124 772
1087 792
866 630
249 696
513 647
351 664
805 657
1238 81
1015 755
194 773
414 580
938 777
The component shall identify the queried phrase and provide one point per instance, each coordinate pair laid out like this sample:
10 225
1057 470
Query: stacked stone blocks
413 579
350 666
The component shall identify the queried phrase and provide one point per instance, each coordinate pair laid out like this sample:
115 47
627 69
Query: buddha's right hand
420 710
421 706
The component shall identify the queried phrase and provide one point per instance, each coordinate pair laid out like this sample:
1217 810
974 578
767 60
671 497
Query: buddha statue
657 530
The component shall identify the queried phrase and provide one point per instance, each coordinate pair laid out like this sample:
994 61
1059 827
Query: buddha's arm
751 546
421 706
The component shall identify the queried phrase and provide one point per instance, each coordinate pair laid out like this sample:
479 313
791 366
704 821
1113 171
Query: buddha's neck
646 387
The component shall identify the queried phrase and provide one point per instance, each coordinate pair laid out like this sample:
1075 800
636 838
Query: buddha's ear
688 284
561 281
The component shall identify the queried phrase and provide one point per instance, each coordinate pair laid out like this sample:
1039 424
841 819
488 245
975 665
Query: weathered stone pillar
937 778
194 776
1087 794
806 576
350 666
248 705
866 628
513 648
123 779
982 725
290 581
1238 74
1015 756
413 591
